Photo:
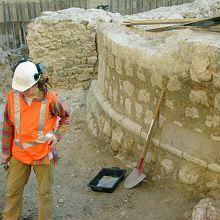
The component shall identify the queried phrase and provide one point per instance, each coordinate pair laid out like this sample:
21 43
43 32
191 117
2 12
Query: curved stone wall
133 68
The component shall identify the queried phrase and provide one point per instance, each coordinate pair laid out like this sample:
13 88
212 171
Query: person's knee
14 190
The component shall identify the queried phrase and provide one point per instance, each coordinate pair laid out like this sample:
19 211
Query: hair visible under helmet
43 82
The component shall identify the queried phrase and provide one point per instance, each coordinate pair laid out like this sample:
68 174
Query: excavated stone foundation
133 67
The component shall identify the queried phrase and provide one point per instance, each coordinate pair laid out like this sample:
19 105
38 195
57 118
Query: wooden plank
41 6
11 24
126 6
19 24
5 24
111 6
162 21
65 4
35 11
58 5
164 3
149 5
210 23
132 6
29 11
48 5
137 6
22 22
61 4
142 6
195 28
55 6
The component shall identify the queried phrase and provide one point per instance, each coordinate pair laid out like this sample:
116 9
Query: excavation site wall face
65 41
134 66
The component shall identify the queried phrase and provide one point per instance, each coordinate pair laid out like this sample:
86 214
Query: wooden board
162 21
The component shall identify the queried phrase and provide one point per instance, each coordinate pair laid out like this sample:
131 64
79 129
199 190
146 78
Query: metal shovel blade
133 179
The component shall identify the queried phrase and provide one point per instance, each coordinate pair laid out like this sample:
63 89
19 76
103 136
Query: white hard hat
24 76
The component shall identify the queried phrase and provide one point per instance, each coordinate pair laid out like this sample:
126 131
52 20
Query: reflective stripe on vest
41 137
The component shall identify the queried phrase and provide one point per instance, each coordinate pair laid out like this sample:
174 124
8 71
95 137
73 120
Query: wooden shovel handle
156 112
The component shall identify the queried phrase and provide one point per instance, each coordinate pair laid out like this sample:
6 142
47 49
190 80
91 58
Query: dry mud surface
82 156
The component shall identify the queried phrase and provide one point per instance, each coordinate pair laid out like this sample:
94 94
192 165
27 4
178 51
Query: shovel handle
156 112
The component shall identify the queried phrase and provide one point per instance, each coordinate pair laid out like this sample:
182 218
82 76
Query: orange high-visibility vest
33 126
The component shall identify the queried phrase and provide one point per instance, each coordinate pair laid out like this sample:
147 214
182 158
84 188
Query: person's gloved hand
52 141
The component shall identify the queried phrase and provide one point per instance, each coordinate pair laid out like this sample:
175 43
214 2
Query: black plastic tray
112 176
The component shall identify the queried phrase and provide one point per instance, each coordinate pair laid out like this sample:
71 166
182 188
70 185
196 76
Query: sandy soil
82 156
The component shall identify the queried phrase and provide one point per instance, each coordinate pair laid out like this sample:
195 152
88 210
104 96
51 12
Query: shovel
137 175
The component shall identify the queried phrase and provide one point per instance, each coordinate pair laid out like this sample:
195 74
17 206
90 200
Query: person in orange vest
34 122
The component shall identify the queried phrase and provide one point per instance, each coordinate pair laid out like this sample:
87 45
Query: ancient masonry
133 67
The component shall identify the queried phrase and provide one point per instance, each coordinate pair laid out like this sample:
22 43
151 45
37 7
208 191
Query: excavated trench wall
133 68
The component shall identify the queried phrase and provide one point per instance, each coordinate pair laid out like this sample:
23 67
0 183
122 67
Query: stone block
117 117
111 60
131 126
92 60
212 121
117 135
118 66
205 210
194 160
216 79
138 109
214 167
128 105
148 116
129 88
169 103
128 69
188 175
171 150
156 80
115 95
140 75
217 101
167 164
174 84
107 129
199 97
200 70
192 112
162 120
143 96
